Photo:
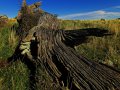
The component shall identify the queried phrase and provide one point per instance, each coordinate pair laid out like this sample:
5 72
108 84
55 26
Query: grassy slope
104 50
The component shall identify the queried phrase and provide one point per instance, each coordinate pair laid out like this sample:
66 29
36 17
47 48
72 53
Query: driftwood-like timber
52 53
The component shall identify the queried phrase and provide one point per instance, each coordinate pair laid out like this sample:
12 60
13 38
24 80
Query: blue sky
68 9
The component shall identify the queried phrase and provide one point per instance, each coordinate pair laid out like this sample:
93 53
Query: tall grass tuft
12 39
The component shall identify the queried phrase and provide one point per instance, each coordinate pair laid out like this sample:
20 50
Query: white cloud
92 15
107 13
118 7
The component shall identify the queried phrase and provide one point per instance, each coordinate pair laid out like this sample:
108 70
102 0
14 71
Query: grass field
105 50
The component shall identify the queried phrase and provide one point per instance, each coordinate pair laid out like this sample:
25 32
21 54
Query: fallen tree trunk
54 63
52 60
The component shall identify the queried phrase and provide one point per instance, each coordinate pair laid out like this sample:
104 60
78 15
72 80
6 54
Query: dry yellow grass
12 39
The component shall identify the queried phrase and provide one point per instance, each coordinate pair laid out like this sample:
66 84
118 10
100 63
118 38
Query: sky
68 9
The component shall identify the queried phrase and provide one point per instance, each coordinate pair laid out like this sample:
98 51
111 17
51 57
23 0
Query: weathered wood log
52 55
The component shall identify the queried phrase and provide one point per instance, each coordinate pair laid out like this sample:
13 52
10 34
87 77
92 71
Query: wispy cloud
118 7
93 15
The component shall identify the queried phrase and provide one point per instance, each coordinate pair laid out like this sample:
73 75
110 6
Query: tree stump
54 63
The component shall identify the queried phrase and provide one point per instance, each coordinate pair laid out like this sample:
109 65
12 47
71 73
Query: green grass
5 49
14 77
105 50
